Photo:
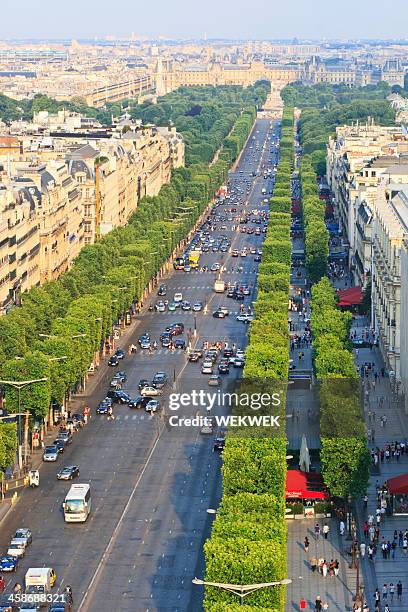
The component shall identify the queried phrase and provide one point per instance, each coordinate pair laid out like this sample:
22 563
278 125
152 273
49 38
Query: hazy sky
194 18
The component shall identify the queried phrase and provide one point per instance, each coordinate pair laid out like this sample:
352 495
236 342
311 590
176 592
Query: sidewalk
384 571
336 591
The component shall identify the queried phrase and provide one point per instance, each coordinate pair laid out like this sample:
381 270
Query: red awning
350 297
302 485
399 484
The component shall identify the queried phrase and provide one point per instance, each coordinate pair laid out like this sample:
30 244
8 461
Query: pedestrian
317 531
385 591
325 530
313 563
365 500
405 546
392 591
324 569
302 604
2 584
399 590
386 608
336 567
377 596
365 529
342 528
318 604
370 552
306 544
362 549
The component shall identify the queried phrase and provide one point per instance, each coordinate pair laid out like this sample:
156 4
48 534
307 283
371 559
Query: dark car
159 380
219 444
104 405
120 354
175 329
113 361
223 368
219 314
179 343
68 473
8 563
60 444
143 382
139 401
257 258
162 290
119 396
193 357
239 296
228 352
239 363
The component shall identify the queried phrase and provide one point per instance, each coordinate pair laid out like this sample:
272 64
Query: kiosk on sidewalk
398 491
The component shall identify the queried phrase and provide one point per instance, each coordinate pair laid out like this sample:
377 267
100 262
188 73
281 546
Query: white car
245 318
197 306
161 307
24 534
150 391
17 547
207 367
178 297
152 406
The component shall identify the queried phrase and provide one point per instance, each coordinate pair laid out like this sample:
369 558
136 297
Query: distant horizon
229 20
163 40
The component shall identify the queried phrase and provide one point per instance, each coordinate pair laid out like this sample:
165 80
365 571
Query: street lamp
242 590
21 384
349 499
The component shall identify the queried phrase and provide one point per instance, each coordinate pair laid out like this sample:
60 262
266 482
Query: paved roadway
151 485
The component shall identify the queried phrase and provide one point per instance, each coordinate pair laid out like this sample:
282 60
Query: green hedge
344 455
248 542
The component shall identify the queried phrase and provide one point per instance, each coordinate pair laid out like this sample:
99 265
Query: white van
77 504
39 580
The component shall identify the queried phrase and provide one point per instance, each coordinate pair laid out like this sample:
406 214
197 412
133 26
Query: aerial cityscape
203 307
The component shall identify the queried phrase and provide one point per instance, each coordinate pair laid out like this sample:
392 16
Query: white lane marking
113 537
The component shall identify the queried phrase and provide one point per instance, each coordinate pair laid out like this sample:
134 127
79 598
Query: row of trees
316 233
248 542
324 107
60 328
344 455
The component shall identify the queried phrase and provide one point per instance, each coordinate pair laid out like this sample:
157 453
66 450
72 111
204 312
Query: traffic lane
65 547
145 587
168 519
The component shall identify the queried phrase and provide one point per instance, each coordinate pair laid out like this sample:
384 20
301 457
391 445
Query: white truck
219 286
39 580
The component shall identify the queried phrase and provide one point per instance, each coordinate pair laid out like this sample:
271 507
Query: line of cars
63 438
147 399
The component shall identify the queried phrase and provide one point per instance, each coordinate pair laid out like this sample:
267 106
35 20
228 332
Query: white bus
77 504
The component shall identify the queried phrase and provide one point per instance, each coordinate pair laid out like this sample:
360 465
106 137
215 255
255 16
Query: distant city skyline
236 19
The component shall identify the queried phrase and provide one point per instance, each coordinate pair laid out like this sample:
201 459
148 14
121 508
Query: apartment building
60 193
388 282
357 159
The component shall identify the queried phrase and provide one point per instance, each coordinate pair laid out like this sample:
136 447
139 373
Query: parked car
8 563
24 534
